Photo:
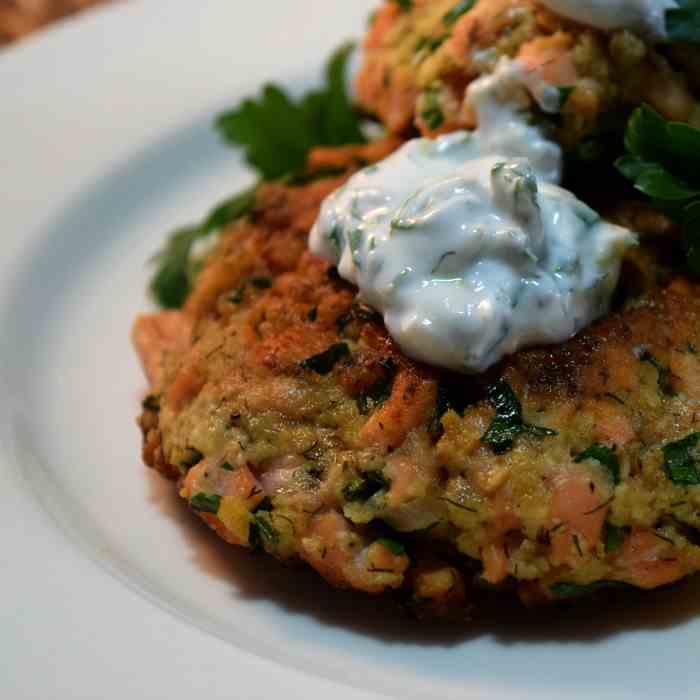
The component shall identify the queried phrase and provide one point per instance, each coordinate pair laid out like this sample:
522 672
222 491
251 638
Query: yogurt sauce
502 101
466 245
646 17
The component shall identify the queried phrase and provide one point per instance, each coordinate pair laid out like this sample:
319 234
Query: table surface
19 18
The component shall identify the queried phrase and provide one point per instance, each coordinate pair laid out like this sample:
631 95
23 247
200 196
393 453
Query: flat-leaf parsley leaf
683 22
277 131
176 267
605 457
680 463
508 422
206 503
663 162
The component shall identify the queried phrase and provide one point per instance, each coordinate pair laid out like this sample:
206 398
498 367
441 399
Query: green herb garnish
365 486
680 463
226 466
683 22
614 537
205 503
663 162
432 112
193 457
177 269
605 457
262 531
277 132
565 93
405 4
336 238
461 8
355 242
393 546
508 423
324 362
264 505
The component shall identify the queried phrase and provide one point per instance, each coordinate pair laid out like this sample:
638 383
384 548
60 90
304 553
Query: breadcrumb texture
428 54
292 423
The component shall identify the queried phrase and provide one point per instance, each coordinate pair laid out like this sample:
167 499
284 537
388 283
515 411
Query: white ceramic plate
110 589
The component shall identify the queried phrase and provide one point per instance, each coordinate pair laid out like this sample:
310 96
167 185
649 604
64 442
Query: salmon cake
420 56
295 423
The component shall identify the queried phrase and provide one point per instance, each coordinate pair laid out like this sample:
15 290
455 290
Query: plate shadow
298 590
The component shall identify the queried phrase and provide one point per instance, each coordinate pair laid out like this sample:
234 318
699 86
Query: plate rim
31 56
52 538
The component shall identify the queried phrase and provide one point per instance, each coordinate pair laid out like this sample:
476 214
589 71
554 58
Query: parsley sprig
663 162
206 503
177 267
683 22
277 133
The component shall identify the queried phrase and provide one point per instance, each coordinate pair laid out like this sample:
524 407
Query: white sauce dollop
469 259
502 101
645 17
466 245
